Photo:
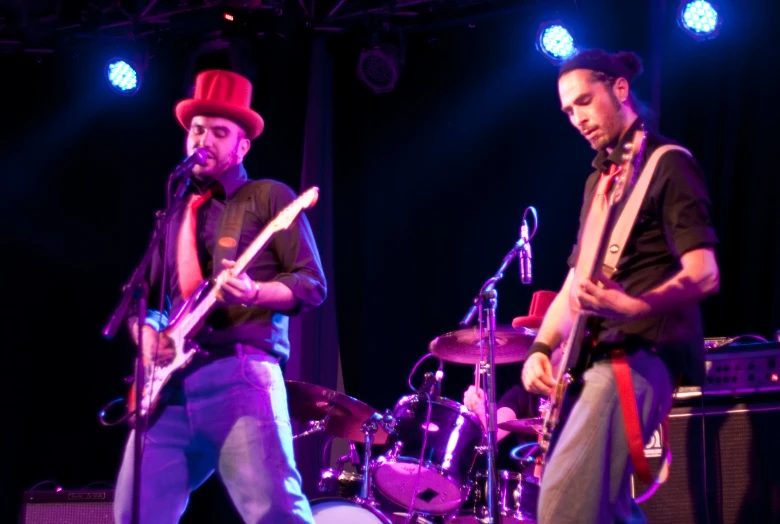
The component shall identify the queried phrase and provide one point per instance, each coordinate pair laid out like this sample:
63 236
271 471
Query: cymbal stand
369 428
485 303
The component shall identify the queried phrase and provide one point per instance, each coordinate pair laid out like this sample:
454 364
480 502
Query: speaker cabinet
68 507
725 463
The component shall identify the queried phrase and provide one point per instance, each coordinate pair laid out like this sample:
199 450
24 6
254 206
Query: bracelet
539 347
256 288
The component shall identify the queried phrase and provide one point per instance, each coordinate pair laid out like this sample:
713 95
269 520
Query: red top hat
225 94
539 304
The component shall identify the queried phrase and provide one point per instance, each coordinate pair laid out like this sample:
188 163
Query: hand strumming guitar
537 374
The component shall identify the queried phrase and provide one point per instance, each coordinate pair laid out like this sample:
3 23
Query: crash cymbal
310 402
527 426
463 347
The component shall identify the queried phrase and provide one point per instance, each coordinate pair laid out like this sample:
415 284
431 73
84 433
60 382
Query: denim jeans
233 419
587 478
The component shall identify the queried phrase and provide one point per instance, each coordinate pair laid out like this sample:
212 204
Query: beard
221 165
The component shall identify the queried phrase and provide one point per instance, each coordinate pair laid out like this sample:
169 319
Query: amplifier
742 368
726 463
68 507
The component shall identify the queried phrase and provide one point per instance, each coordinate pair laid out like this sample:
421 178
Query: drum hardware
517 499
465 346
429 455
327 410
315 426
525 426
369 428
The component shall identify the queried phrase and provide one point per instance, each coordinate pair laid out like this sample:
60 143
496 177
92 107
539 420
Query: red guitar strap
633 427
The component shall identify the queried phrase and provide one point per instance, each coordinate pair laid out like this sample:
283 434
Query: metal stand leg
369 429
494 514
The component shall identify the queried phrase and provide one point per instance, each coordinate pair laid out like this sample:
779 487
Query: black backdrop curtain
429 186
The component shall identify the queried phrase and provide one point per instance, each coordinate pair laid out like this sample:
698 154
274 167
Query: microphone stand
486 302
137 289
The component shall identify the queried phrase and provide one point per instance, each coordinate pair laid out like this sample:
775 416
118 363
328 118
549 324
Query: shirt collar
603 160
226 185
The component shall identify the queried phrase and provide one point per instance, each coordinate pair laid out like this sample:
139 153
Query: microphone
185 166
428 382
437 385
524 259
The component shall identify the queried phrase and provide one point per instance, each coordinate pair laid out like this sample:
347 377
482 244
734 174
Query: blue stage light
555 42
123 77
700 19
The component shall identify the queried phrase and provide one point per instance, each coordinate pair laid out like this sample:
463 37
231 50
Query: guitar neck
192 320
579 323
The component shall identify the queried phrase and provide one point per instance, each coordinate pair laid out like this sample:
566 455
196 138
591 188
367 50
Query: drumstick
476 376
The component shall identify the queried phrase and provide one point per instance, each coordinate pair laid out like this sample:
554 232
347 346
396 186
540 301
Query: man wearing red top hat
226 412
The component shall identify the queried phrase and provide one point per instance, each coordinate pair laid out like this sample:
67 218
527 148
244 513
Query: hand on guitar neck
161 354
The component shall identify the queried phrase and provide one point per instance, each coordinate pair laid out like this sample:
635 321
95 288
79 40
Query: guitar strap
624 225
229 233
620 365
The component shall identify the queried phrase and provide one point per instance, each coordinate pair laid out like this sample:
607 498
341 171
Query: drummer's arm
502 415
558 319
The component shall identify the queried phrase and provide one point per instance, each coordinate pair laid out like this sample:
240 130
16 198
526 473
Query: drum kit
425 472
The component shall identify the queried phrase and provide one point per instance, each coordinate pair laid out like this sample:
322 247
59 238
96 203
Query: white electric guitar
190 316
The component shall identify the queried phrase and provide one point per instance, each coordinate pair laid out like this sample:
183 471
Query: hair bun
631 61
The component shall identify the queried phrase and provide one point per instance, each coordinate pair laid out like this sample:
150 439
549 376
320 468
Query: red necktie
190 274
597 215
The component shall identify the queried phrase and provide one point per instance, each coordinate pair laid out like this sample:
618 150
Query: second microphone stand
486 302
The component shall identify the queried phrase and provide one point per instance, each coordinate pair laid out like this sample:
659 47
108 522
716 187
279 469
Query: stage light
379 67
123 77
700 19
555 42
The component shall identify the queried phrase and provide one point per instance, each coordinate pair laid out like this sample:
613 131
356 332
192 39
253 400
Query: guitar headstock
632 153
287 216
309 197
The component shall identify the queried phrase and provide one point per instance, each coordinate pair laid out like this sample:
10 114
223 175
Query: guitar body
191 315
575 358
155 377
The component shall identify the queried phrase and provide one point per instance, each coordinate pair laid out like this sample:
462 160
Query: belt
238 350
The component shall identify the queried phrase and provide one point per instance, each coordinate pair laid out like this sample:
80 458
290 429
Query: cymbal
527 426
310 402
462 346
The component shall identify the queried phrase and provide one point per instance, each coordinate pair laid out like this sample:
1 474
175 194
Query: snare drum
517 498
440 484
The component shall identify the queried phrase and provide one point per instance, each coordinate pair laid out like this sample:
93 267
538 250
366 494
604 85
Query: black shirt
291 257
674 218
523 403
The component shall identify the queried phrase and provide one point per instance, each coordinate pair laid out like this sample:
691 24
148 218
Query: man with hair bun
644 320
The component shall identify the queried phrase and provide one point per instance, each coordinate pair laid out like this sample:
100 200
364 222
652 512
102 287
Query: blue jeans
233 419
587 478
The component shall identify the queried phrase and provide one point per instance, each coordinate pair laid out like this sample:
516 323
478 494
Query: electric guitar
189 318
573 360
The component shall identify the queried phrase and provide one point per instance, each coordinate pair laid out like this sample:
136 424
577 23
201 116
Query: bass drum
332 510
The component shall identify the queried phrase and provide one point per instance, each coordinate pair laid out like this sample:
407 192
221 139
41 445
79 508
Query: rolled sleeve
298 256
685 205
